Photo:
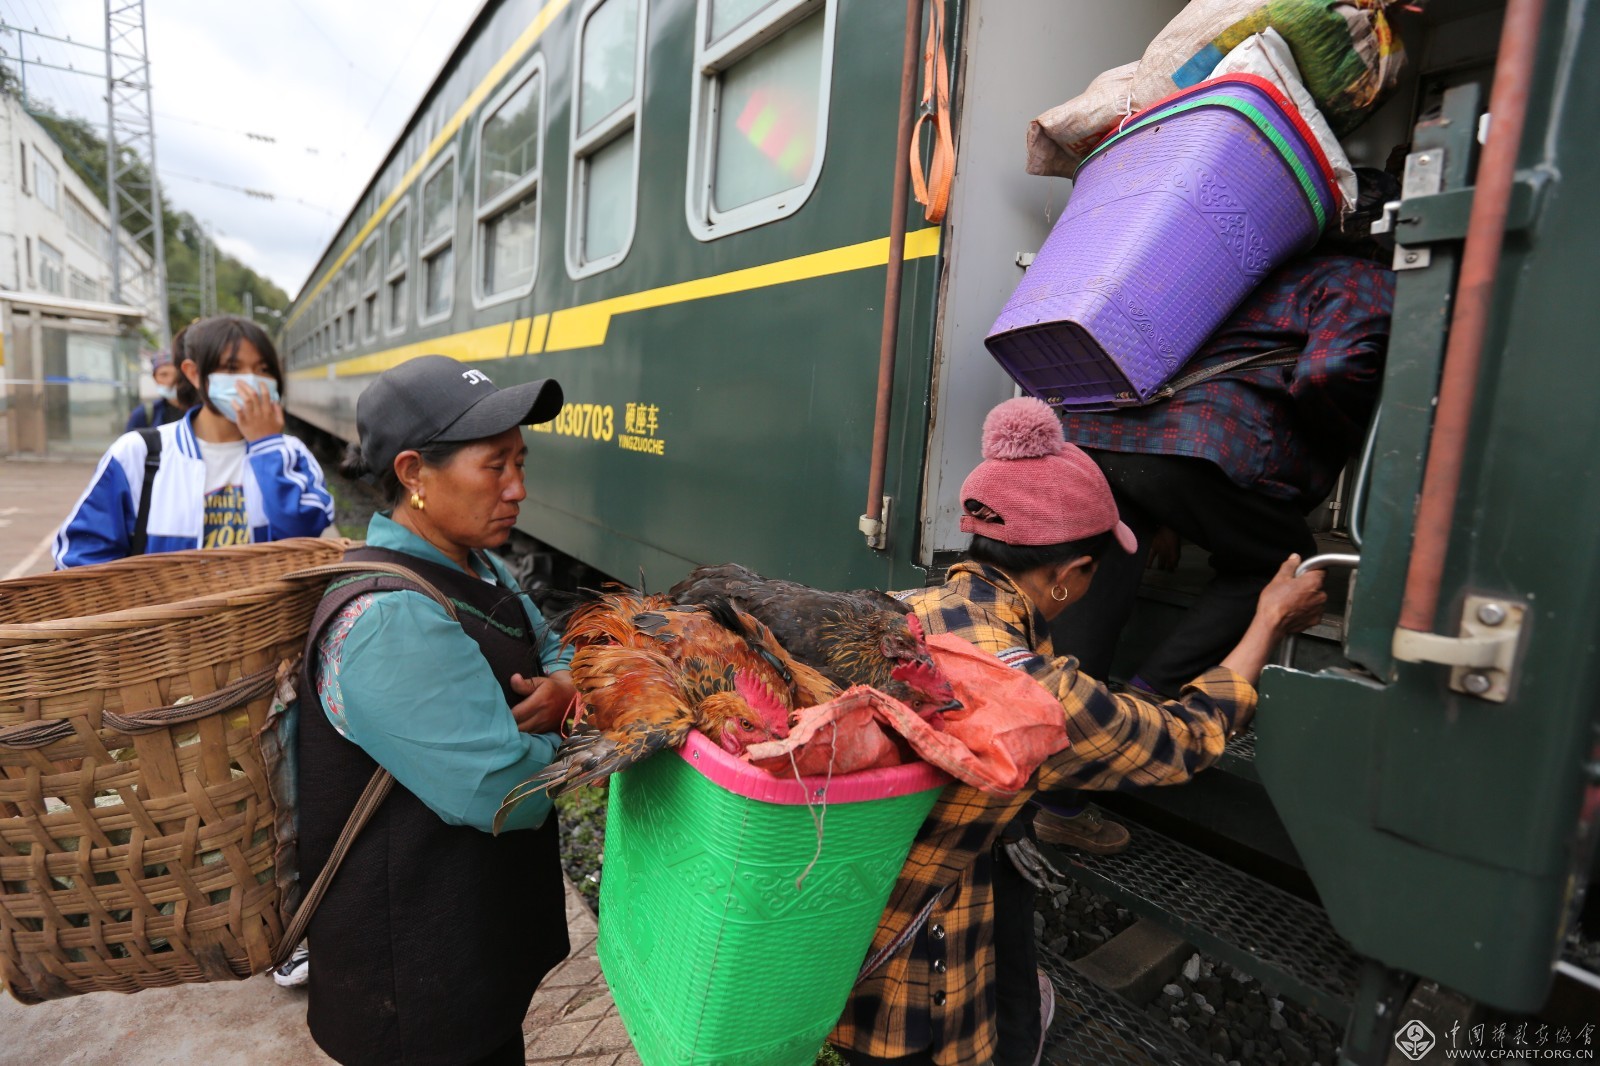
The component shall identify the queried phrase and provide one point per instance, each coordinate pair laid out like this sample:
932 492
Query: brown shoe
1086 830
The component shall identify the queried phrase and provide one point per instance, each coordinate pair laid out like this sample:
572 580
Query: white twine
816 819
1127 110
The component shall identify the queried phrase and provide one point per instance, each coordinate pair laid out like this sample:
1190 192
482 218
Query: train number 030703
594 421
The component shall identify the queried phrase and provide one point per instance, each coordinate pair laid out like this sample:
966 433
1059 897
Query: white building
69 365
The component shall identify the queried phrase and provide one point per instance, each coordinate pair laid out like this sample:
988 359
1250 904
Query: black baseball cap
434 398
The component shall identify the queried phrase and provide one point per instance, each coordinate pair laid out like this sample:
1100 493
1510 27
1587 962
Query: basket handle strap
1275 357
371 797
382 780
332 570
904 937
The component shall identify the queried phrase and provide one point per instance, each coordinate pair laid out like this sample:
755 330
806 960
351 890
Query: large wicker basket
145 580
138 844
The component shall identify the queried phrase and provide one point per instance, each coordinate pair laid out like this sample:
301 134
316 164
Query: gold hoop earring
417 503
1058 593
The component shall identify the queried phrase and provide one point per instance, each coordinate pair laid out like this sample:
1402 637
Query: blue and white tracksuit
284 491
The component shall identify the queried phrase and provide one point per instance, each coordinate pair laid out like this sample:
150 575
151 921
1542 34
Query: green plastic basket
714 957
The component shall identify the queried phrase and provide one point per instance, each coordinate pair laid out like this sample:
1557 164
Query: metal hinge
1424 176
1482 658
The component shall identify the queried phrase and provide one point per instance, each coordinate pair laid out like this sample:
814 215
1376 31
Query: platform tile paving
572 1018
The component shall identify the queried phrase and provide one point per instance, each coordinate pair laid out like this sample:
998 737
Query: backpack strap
152 462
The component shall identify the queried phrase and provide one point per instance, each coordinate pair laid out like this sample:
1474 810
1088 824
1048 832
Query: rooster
650 670
864 637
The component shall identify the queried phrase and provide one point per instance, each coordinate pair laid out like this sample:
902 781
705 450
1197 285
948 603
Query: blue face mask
167 392
223 391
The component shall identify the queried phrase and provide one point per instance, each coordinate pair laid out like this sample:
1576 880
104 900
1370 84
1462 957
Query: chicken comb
926 681
914 624
761 699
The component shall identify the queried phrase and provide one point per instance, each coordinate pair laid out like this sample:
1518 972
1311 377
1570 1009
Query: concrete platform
571 1020
35 497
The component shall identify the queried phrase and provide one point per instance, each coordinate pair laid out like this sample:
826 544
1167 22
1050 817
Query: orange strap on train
933 192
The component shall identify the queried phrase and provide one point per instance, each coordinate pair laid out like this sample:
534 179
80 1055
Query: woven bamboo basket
161 578
139 835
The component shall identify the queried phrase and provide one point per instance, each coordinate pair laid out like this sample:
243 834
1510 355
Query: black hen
863 637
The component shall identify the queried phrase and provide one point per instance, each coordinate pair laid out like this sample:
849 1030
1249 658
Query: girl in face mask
224 474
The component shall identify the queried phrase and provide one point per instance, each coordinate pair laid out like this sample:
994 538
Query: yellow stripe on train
586 325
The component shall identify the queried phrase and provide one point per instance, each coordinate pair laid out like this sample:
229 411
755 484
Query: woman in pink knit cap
1041 515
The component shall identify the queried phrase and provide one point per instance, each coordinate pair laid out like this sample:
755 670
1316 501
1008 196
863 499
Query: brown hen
861 637
650 670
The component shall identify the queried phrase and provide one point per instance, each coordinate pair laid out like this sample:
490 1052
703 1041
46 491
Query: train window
436 249
371 271
397 246
759 122
510 158
347 312
604 175
728 14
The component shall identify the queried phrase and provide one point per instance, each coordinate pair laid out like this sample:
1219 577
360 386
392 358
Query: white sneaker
296 971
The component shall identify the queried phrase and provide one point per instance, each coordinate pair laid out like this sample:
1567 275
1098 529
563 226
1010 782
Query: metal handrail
1325 561
1358 492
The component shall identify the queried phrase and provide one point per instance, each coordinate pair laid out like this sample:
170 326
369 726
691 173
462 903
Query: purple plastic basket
1165 233
1311 161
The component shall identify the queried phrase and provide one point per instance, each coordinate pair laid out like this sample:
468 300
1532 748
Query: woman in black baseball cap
435 932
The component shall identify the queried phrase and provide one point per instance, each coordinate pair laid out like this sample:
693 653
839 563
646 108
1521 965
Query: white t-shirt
225 521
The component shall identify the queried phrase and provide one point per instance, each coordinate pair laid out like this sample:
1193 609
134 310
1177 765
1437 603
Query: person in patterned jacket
1234 464
1042 516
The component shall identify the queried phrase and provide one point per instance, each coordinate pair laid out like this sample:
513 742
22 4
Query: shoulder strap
1275 357
893 947
151 436
368 577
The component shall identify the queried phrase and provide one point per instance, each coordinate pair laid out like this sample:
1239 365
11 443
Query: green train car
681 210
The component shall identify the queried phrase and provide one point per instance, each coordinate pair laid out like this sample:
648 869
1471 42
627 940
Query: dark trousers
511 1053
1248 535
1016 956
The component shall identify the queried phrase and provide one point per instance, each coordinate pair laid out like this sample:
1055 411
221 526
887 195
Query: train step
1239 757
1283 941
1094 1027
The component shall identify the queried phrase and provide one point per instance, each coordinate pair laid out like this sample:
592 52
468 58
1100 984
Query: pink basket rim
739 777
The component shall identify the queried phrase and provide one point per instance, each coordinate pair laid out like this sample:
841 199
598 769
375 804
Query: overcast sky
334 83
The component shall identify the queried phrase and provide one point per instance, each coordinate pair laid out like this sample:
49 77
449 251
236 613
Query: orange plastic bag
1007 726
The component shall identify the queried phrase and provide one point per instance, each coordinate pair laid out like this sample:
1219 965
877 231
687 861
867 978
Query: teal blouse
403 681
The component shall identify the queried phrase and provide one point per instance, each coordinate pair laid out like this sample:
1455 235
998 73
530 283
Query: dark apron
432 938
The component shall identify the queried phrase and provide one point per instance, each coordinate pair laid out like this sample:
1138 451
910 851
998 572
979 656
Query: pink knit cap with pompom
1024 428
1033 487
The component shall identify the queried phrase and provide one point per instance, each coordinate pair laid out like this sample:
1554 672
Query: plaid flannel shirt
1283 431
938 991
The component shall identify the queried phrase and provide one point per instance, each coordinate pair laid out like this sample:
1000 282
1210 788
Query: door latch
1482 658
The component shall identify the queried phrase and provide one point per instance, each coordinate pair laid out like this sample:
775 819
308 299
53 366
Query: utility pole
135 203
208 275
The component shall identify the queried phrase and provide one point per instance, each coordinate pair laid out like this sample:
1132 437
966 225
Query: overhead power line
261 138
401 65
254 194
326 36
